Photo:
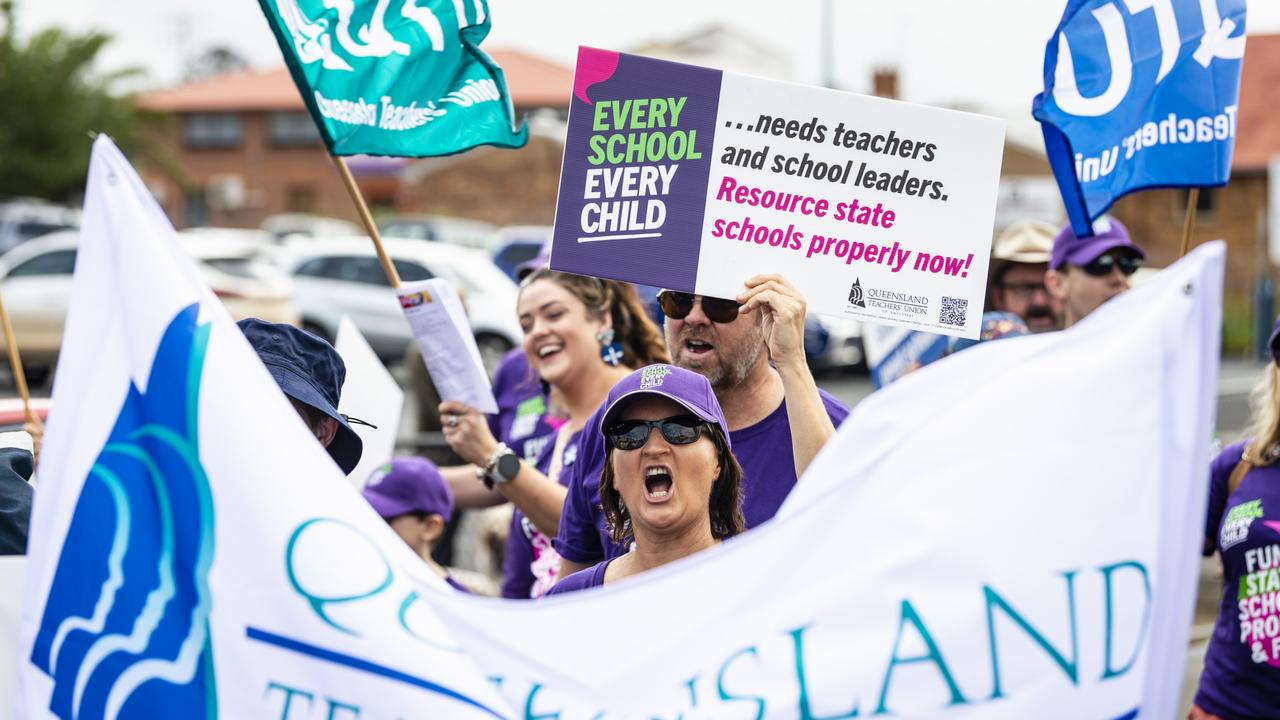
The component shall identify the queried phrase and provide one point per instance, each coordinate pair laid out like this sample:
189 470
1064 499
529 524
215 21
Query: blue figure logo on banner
1140 94
125 632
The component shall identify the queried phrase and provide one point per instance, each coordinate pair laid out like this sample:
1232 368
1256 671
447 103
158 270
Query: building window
292 129
212 130
1204 203
300 197
195 211
57 262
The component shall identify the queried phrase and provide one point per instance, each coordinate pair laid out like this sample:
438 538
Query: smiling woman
581 335
671 485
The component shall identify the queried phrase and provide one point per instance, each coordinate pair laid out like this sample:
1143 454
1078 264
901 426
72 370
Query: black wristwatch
503 466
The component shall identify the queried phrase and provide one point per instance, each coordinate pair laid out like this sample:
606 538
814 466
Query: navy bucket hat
310 371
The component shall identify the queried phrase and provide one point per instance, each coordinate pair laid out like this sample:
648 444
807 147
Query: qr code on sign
953 310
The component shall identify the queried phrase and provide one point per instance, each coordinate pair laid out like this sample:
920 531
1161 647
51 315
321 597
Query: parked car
13 416
439 228
834 343
238 266
342 276
517 244
35 278
283 225
23 218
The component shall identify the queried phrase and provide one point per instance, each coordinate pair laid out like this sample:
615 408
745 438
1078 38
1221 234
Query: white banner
1008 533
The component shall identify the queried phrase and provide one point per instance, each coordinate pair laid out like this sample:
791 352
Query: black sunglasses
633 434
678 305
1103 266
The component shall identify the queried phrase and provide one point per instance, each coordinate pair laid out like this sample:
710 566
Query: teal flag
404 78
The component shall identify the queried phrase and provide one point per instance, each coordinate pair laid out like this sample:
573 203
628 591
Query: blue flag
1140 94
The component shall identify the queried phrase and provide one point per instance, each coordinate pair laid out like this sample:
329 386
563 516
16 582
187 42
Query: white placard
370 394
695 179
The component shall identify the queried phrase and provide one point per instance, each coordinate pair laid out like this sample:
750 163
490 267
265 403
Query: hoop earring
610 349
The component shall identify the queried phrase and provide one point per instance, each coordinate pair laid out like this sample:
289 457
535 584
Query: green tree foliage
53 99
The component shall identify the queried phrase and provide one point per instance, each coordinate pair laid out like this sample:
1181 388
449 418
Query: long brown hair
725 506
641 340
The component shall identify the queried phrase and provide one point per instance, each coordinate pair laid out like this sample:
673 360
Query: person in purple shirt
671 485
1241 676
581 335
411 495
530 565
751 350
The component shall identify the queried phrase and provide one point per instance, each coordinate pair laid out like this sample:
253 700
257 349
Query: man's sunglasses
633 434
1103 266
678 305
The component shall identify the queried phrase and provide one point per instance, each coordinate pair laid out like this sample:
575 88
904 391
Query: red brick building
246 149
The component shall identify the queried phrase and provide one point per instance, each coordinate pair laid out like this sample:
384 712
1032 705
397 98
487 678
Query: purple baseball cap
408 485
1108 234
541 260
684 387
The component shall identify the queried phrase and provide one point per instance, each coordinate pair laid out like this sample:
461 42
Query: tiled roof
534 82
1258 122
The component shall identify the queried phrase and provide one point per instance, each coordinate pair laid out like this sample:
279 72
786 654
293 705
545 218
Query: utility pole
826 42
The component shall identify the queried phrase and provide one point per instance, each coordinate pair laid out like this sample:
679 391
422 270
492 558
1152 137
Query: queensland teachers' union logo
125 631
855 294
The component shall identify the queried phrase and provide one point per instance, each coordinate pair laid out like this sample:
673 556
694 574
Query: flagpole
367 219
15 363
1193 199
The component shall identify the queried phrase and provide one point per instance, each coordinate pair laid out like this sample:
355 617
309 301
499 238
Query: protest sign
893 351
188 556
406 79
695 179
1140 94
440 327
371 394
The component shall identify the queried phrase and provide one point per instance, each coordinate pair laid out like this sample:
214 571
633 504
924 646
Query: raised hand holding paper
440 327
696 179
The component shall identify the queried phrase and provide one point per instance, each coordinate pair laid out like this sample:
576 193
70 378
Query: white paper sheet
444 337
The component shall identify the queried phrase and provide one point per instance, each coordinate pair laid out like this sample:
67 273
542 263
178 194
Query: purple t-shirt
768 474
529 554
1241 677
521 422
581 580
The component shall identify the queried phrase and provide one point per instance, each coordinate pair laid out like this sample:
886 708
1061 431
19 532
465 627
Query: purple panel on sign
633 187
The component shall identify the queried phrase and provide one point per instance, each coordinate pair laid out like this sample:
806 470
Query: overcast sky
981 53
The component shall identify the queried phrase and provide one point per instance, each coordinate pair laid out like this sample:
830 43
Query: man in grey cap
1019 259
1086 272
